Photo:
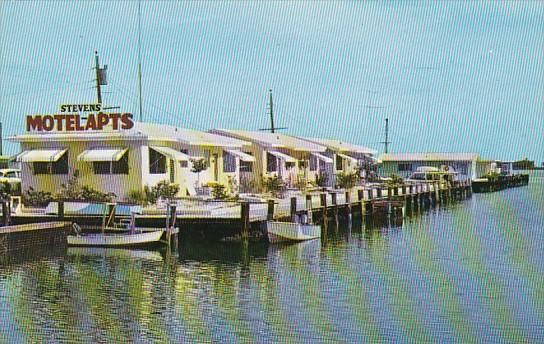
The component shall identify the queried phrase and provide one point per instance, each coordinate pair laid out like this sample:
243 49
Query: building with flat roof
121 160
343 157
404 164
276 154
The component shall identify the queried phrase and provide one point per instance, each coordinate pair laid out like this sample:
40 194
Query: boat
115 239
130 236
291 231
431 174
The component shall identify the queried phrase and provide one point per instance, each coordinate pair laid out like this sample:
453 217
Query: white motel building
120 161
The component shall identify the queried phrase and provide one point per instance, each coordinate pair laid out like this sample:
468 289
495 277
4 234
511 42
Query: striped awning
283 156
323 158
243 156
41 155
347 157
171 153
102 154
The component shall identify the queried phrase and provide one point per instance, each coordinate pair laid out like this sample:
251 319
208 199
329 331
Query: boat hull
115 240
288 231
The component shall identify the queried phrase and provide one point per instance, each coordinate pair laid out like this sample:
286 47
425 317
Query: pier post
270 210
172 217
6 213
348 203
244 206
309 207
293 209
60 210
323 201
334 203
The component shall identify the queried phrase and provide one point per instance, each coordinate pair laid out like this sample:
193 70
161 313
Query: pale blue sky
451 76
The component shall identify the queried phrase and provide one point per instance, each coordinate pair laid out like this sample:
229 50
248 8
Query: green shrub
72 191
395 182
138 197
33 198
347 180
219 191
164 189
147 195
321 179
274 185
198 165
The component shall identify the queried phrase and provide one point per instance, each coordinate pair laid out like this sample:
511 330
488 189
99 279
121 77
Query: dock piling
60 210
270 210
293 209
245 220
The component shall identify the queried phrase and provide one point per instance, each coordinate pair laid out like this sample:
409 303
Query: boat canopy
323 158
171 153
427 169
283 156
243 156
41 155
102 154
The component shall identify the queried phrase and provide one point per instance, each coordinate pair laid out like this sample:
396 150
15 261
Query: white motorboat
116 239
291 231
131 235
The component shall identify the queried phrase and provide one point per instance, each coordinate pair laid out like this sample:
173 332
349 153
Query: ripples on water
469 272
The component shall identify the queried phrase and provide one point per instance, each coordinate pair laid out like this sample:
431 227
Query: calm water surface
469 272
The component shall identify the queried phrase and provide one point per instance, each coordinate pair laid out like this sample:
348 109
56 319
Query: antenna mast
97 68
272 127
140 59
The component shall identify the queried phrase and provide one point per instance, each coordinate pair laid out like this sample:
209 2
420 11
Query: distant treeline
526 165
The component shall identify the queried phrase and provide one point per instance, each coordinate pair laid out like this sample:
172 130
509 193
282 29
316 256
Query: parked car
13 177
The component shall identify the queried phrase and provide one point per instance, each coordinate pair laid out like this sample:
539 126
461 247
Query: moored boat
291 231
114 239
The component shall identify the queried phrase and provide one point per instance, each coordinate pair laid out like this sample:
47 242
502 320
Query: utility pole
272 129
386 142
140 59
97 68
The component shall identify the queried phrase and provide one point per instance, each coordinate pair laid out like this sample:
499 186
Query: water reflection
464 272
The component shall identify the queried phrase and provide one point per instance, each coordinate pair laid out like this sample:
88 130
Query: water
469 272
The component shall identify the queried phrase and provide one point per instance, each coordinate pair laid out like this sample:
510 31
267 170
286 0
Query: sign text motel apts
70 120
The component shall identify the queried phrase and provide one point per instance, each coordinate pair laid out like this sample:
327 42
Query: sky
450 76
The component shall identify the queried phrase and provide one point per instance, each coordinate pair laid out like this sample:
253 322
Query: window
271 163
302 164
229 162
58 167
246 166
157 162
112 167
313 163
184 164
405 167
184 151
289 165
10 174
339 163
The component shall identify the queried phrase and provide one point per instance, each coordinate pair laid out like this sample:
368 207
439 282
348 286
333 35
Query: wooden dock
199 219
32 235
